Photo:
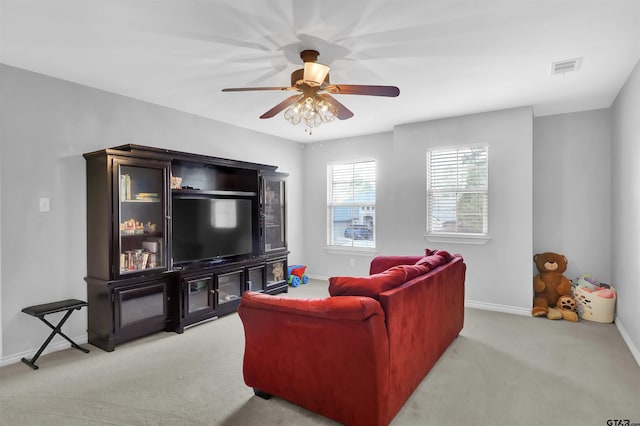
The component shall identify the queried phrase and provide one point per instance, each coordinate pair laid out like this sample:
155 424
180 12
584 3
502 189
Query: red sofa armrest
330 355
382 263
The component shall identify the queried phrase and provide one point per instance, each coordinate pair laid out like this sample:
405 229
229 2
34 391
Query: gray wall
571 190
492 281
625 215
46 125
549 177
320 262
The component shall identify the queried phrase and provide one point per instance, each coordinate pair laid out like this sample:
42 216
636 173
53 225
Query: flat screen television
207 228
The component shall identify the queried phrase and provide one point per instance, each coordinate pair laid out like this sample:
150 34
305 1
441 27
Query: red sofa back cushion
375 284
369 286
435 259
401 269
382 263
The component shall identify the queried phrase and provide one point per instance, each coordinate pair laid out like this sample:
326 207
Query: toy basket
591 307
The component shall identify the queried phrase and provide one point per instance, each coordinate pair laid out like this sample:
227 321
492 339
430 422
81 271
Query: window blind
457 191
351 201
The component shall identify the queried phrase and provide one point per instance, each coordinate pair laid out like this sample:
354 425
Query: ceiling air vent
567 65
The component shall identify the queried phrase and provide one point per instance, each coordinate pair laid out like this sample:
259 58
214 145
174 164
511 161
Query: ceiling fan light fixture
312 110
314 73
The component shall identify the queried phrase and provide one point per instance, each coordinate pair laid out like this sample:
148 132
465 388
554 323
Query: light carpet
502 370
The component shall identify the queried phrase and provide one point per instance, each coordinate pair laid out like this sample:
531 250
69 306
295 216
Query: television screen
208 228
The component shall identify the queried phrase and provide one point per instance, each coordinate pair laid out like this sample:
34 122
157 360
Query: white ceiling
448 57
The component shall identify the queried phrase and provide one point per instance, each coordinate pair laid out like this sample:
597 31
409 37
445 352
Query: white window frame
337 243
446 179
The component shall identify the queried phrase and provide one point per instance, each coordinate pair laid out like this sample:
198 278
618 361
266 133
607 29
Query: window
457 192
351 205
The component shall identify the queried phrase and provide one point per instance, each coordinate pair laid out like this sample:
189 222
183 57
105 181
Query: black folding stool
40 311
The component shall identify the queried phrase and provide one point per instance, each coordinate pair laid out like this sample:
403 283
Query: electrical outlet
44 205
352 261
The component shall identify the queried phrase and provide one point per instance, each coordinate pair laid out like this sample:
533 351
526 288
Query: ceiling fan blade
281 106
249 89
344 113
357 89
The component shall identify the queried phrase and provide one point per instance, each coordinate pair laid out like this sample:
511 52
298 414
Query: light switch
44 204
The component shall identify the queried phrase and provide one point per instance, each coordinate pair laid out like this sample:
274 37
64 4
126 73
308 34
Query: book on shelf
125 187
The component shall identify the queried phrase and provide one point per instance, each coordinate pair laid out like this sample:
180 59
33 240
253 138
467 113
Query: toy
296 275
278 271
606 293
565 308
587 282
549 285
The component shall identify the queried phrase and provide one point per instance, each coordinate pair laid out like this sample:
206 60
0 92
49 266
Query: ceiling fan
315 105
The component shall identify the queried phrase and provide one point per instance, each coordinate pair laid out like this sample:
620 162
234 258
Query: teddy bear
278 271
550 285
565 308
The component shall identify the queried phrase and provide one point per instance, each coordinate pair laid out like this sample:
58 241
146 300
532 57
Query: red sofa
358 355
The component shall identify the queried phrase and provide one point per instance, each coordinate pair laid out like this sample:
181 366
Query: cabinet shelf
144 235
204 192
129 271
141 201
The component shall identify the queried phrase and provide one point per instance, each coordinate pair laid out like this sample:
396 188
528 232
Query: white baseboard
635 352
497 308
52 347
318 277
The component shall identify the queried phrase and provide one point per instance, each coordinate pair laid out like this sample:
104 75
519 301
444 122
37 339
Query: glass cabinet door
273 211
255 278
230 286
276 272
199 294
142 218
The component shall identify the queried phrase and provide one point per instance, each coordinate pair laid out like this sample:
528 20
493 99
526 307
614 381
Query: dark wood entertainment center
174 239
